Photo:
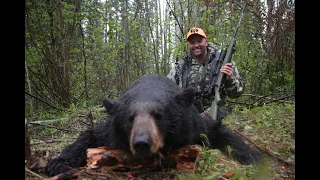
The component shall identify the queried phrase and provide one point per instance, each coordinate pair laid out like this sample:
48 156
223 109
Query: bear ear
186 97
109 104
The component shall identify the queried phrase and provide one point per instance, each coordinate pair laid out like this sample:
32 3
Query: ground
269 128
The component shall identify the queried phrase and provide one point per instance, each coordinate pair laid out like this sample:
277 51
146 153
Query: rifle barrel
227 58
235 32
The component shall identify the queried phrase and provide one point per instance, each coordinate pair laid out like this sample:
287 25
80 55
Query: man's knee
221 114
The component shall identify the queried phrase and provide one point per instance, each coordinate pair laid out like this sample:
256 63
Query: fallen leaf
229 174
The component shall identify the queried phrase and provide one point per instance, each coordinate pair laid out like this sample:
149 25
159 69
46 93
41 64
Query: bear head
150 120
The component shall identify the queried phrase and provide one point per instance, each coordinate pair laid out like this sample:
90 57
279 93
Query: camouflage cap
196 30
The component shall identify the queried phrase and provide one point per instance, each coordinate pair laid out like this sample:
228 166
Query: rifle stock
221 77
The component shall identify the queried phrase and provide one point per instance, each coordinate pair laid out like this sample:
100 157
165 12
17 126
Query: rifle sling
216 65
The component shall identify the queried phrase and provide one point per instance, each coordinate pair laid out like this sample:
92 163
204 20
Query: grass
271 127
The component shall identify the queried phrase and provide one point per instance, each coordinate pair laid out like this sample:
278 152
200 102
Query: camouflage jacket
187 72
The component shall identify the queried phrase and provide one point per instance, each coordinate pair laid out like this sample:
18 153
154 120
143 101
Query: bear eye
156 114
131 118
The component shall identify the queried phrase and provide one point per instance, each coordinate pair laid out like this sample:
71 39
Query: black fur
176 117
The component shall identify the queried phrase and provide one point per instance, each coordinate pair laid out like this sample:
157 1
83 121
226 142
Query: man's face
197 45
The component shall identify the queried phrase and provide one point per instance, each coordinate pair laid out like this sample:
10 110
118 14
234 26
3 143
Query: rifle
227 55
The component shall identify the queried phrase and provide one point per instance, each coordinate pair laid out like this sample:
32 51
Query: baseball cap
196 30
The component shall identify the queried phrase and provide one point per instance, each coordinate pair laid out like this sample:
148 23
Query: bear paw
249 158
57 166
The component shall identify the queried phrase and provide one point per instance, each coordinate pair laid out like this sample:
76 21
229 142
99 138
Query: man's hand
227 69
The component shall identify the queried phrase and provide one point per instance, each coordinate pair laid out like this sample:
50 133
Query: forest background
79 52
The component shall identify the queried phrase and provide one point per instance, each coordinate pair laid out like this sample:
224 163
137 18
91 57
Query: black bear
152 115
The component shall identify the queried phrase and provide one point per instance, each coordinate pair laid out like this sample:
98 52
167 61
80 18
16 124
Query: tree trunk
126 50
153 41
29 85
66 63
157 38
27 150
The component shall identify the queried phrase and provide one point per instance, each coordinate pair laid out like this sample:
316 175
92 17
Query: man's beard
198 53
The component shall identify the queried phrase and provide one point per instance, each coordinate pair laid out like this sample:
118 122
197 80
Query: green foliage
230 151
211 165
79 106
180 50
274 124
97 47
186 176
271 127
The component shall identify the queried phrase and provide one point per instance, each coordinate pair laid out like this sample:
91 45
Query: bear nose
142 144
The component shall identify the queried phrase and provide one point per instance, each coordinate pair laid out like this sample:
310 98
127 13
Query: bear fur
153 114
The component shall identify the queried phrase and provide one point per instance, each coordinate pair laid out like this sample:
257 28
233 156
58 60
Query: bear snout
145 138
142 144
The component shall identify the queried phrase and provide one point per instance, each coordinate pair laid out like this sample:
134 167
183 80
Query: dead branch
46 121
65 175
104 175
280 99
27 152
33 173
265 150
261 103
48 141
60 129
47 103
